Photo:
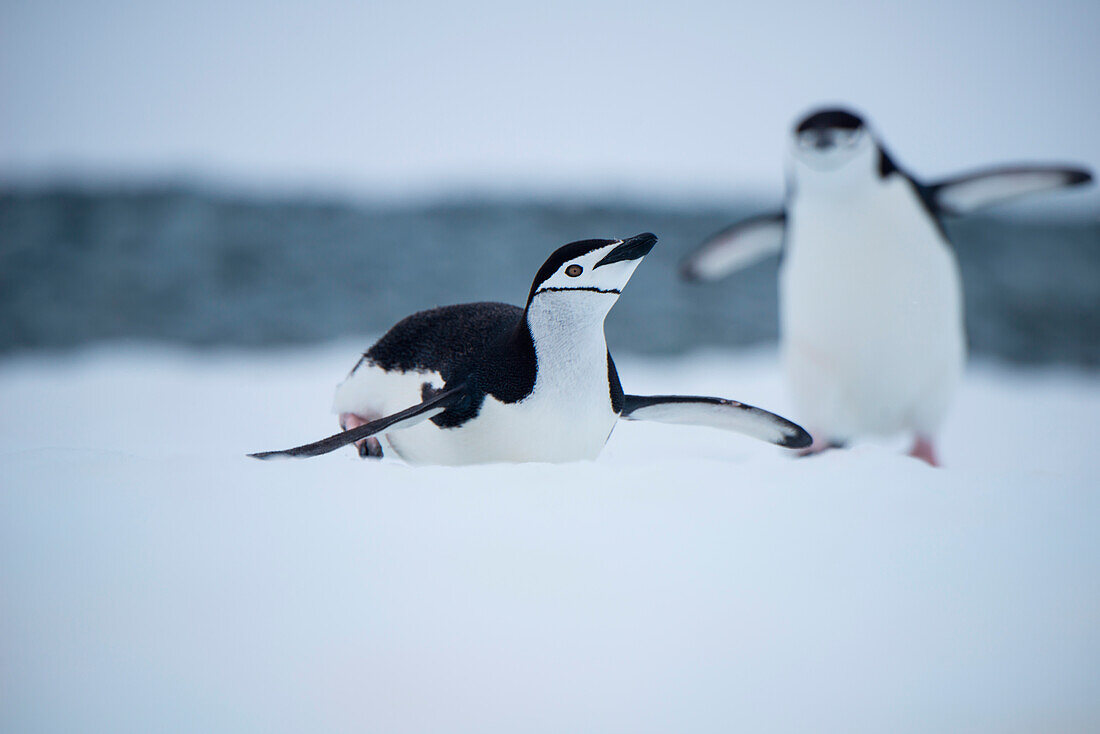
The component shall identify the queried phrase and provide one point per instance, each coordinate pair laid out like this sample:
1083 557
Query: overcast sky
682 99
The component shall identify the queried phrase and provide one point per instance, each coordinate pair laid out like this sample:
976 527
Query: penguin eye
574 270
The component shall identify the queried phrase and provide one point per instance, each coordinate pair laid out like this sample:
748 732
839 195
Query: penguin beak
634 248
817 139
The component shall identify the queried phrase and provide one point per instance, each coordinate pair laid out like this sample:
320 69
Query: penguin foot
924 450
370 447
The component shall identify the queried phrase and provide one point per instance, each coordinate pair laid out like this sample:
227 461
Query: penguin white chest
871 312
538 428
566 417
569 408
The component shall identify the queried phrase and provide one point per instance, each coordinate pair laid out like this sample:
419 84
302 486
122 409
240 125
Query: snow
154 579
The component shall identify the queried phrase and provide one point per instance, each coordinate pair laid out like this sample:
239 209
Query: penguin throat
570 348
563 317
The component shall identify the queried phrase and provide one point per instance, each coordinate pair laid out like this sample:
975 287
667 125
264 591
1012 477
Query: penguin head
833 142
590 274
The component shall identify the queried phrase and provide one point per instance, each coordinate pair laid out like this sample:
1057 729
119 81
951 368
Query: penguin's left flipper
973 191
407 418
729 415
735 247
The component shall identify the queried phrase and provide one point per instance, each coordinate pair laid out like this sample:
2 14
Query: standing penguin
491 382
871 305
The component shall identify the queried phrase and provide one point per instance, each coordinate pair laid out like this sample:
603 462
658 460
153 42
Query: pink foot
923 450
368 446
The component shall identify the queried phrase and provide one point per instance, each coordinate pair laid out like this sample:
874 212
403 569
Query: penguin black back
485 344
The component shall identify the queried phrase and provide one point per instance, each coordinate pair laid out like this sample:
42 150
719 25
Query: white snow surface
689 580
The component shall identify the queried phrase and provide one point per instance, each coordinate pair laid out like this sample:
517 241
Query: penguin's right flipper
729 415
736 247
973 191
407 418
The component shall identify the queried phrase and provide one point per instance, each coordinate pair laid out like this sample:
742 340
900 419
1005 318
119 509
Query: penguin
491 382
871 302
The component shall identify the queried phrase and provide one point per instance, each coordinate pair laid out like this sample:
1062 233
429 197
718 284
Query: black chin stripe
580 288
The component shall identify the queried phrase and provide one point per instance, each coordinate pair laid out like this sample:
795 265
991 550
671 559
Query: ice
155 579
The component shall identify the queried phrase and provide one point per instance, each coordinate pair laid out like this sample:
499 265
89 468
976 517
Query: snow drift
689 580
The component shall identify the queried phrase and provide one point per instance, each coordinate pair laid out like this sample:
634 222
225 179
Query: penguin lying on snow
491 382
871 306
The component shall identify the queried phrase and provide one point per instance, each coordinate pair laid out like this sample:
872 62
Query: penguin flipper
729 415
407 418
736 247
977 190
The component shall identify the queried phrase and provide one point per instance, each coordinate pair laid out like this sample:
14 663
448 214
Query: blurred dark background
80 266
